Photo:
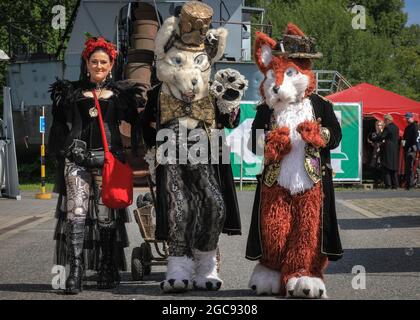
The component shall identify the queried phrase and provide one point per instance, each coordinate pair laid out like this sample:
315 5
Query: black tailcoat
331 244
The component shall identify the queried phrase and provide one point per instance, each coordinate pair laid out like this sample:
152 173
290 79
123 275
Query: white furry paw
175 286
207 283
228 88
215 43
212 38
206 275
179 275
306 287
265 280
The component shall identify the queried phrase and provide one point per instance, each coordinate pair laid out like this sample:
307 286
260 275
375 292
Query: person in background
377 151
390 156
409 143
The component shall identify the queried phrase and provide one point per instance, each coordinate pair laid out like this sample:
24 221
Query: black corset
91 133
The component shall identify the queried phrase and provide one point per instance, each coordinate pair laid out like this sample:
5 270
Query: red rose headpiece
92 43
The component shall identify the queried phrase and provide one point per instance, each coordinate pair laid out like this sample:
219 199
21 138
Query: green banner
345 159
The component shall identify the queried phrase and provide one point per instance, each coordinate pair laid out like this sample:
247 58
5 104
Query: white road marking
6 222
362 211
41 218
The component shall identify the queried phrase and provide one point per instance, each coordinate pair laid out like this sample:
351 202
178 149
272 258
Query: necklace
93 112
100 86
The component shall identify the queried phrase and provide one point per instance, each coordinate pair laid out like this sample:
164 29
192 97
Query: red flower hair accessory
93 43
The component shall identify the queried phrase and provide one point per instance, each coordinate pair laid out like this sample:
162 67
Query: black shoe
108 277
74 282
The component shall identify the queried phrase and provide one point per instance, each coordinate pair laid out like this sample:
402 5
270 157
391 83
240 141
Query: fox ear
294 30
263 48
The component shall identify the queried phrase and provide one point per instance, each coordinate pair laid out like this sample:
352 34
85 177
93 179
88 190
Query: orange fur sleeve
278 145
311 133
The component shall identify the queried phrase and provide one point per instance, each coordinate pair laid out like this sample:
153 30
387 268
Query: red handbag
117 177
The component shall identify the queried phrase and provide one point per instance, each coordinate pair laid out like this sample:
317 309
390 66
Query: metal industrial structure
9 180
30 73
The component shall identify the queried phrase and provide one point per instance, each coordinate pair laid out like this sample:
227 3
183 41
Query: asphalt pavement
380 233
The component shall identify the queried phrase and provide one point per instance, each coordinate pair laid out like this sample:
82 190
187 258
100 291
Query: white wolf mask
186 73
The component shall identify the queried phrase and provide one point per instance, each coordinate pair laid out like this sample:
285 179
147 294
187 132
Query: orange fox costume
294 228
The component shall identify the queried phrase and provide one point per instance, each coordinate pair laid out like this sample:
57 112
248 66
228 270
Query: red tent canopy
377 102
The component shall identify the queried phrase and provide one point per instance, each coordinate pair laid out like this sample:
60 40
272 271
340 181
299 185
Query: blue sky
412 7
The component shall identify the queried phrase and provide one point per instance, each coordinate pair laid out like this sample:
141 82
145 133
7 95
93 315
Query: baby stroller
144 257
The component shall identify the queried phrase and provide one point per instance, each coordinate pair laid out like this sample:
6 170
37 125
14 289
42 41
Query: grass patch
246 187
35 187
337 187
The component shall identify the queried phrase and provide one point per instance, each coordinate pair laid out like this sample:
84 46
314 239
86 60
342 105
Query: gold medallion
93 112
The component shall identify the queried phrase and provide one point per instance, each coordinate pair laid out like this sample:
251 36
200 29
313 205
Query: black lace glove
77 151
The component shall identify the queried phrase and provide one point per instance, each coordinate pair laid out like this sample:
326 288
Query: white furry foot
306 287
265 280
206 276
179 275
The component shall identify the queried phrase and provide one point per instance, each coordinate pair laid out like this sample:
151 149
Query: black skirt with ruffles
92 249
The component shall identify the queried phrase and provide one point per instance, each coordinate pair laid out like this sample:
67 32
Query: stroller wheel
146 250
137 270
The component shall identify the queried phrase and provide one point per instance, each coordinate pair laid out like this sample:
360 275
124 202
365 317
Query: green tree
27 24
385 54
388 17
407 58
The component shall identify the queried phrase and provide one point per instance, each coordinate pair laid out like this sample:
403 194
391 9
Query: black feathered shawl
67 120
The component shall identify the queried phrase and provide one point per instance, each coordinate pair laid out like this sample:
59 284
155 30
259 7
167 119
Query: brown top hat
297 47
194 22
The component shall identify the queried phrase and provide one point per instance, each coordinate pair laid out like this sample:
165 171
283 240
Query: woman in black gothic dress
90 236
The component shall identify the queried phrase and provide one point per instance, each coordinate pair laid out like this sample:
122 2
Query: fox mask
286 80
